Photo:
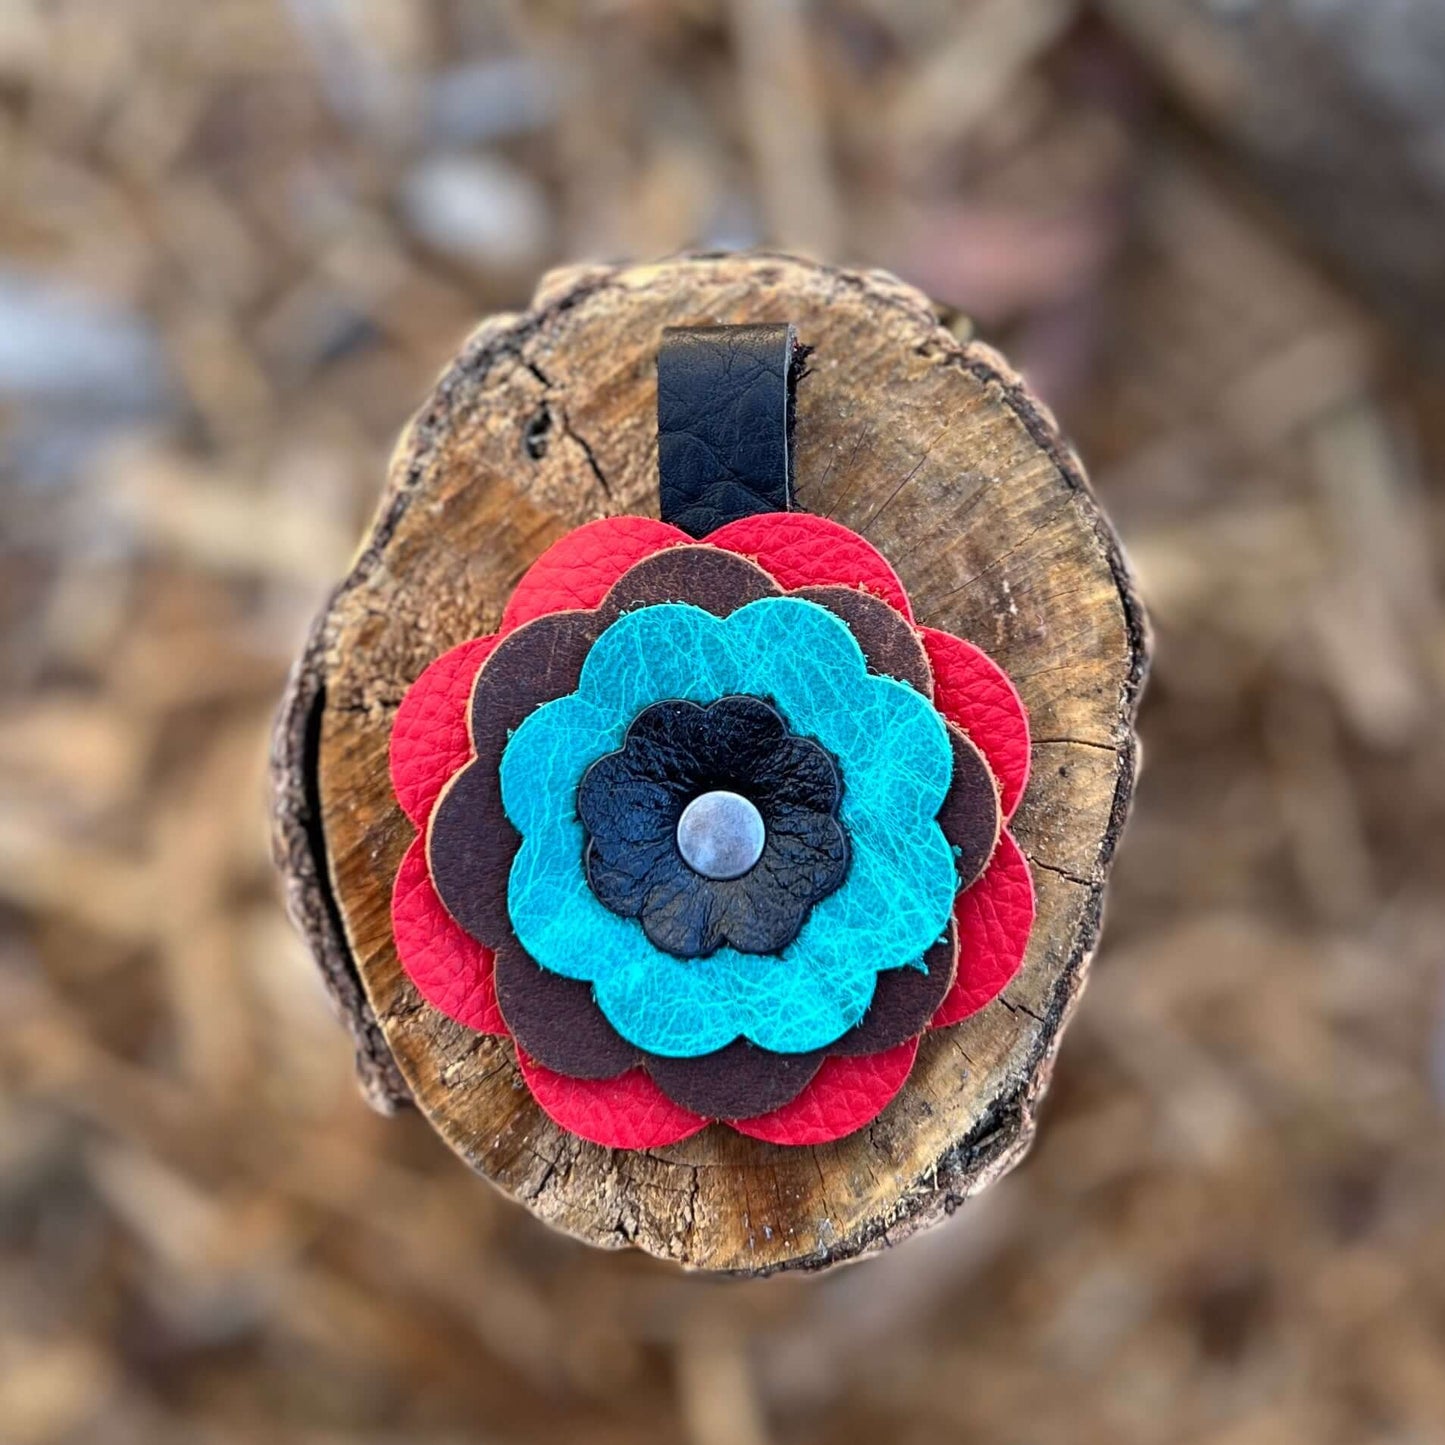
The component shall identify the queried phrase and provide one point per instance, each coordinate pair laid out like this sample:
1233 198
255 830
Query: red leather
628 1112
576 570
429 739
972 690
844 1095
994 919
451 970
801 550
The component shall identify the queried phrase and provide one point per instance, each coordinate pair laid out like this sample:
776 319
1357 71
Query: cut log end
930 448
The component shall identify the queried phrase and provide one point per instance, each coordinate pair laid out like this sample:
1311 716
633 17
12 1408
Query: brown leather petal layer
890 644
904 1001
556 1020
718 581
738 1082
970 816
470 842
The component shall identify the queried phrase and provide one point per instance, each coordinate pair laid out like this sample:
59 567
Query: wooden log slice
930 448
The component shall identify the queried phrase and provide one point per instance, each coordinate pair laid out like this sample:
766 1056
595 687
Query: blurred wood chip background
238 240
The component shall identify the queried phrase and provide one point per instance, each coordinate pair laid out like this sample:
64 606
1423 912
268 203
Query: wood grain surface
929 447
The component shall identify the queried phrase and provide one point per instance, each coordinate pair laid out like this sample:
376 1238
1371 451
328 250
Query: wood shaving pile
238 240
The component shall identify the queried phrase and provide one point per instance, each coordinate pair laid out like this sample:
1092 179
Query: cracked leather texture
904 1002
630 802
724 423
540 660
556 1020
893 649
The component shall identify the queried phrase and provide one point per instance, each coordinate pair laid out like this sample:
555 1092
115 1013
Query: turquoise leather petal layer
893 752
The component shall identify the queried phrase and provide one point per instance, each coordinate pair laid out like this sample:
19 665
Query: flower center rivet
720 835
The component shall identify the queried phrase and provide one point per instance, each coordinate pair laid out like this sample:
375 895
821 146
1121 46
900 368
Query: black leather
630 801
724 422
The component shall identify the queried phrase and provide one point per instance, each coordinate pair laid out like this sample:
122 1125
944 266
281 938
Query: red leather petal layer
994 919
628 1112
429 739
577 570
972 690
845 1094
801 550
451 970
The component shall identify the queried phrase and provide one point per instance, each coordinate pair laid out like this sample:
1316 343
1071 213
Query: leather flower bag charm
703 848
710 826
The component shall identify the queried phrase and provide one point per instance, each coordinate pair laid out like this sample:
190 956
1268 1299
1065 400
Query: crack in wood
1061 872
907 477
838 503
551 400
1002 557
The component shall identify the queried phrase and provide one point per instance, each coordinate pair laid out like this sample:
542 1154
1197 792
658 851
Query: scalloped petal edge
451 970
628 1112
994 920
430 739
845 1095
973 691
578 570
799 549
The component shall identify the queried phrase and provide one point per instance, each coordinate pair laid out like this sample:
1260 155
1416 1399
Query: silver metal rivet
720 835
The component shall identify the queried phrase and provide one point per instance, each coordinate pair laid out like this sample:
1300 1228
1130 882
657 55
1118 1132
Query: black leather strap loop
725 422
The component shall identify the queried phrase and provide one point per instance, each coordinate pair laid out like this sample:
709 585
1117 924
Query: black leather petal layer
630 802
724 423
